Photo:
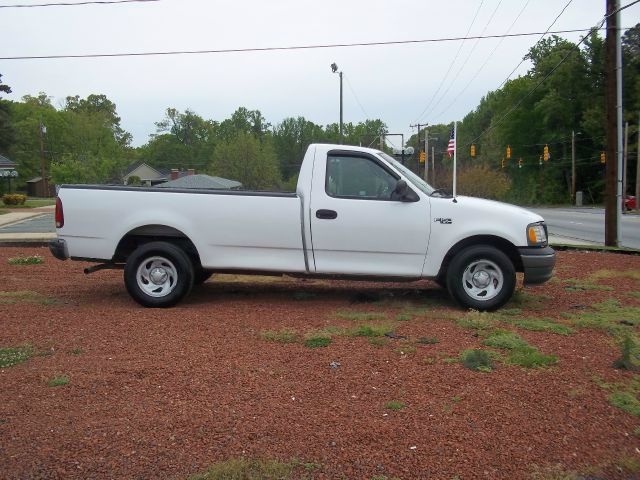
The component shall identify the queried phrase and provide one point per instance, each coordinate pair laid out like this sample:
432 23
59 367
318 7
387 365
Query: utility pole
45 187
334 69
433 166
624 161
638 170
426 161
613 87
573 167
426 152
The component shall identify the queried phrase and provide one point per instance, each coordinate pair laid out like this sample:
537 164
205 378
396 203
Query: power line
485 62
366 115
74 4
466 60
271 49
541 37
451 64
552 71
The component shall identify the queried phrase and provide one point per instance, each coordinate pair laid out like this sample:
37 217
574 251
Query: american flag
452 142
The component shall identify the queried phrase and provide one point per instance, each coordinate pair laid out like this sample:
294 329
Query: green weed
394 405
361 316
427 341
607 316
27 296
629 354
479 321
58 381
31 260
585 285
523 299
14 356
539 325
248 469
530 357
404 317
317 341
371 330
479 360
377 341
505 340
281 336
625 400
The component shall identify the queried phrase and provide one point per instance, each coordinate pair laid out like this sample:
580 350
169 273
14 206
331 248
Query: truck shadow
286 289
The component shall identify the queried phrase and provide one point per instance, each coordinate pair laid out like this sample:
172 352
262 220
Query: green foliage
58 381
629 354
14 199
360 316
285 335
539 325
480 181
14 356
248 160
505 340
607 316
248 469
625 400
479 360
394 405
479 321
530 357
317 341
371 330
134 180
31 260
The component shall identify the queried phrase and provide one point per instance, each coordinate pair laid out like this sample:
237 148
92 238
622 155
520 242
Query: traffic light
508 152
546 153
520 163
423 157
473 151
603 157
503 163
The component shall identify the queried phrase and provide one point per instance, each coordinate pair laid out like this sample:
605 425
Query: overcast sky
395 83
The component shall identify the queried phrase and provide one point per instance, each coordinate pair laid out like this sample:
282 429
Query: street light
334 69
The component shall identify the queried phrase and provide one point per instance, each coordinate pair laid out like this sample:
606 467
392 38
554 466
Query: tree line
85 143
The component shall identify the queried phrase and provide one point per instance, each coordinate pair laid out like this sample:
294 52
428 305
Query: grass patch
539 325
31 260
478 360
629 354
317 341
608 274
14 356
427 341
479 321
531 357
505 340
58 381
248 469
361 316
76 351
394 405
27 296
404 317
524 300
608 316
634 295
585 285
625 400
377 341
285 335
371 330
403 349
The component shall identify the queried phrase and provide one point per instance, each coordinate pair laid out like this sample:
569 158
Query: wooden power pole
611 169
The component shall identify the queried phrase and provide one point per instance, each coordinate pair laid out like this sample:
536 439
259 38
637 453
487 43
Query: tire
481 277
171 267
200 276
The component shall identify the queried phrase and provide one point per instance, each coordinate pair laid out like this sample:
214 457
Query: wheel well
500 243
152 233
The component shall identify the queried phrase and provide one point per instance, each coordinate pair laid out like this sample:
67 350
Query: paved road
587 224
40 224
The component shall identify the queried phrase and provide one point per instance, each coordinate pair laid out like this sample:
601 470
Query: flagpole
455 154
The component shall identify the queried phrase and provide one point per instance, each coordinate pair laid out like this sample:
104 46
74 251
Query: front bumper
58 249
537 263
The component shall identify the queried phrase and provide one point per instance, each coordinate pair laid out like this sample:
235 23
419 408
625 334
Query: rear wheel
158 274
481 277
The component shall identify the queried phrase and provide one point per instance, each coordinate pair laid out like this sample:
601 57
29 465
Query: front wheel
481 277
158 274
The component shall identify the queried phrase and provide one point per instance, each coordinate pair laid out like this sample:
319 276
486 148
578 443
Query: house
6 164
147 174
200 181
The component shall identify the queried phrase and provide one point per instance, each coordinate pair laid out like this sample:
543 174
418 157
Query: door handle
326 214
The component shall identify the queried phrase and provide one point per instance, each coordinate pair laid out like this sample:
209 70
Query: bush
14 199
134 180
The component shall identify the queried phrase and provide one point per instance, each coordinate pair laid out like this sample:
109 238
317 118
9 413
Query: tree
7 133
247 160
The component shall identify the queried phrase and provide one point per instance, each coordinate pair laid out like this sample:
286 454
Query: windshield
412 177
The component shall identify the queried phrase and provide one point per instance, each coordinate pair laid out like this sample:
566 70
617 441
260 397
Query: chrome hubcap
482 279
157 276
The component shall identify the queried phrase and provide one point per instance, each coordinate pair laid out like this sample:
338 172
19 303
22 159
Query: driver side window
358 177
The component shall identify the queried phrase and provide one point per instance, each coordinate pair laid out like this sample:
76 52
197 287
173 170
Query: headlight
537 234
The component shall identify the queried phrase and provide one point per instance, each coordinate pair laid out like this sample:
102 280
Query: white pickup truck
357 213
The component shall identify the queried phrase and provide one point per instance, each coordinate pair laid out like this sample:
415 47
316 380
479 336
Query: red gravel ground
165 393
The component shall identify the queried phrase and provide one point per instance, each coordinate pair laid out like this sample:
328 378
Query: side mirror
403 193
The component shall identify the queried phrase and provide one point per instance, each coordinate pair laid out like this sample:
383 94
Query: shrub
134 180
14 199
479 360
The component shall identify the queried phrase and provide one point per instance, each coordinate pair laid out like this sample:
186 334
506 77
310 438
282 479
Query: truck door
357 228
